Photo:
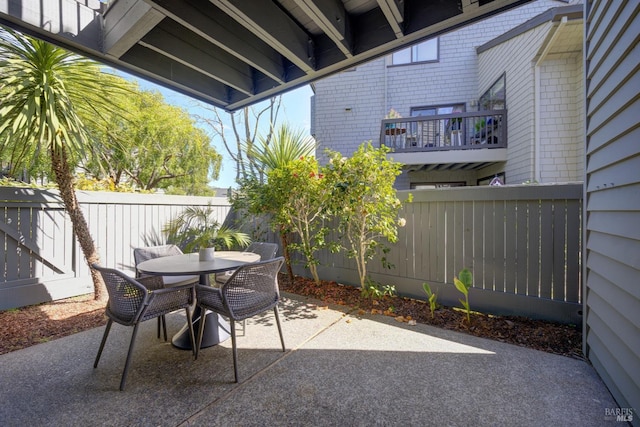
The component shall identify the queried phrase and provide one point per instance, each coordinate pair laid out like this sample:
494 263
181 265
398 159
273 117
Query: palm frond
285 145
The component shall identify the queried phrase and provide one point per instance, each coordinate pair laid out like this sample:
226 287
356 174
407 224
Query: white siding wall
372 89
348 109
561 121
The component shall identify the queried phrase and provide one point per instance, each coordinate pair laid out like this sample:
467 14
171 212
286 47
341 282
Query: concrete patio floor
340 369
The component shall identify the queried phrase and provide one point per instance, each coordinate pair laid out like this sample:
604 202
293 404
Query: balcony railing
457 131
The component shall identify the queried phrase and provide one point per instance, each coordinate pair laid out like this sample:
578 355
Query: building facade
525 63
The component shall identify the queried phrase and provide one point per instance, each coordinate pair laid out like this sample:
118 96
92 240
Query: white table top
190 264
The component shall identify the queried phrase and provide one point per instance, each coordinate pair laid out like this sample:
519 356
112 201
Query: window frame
491 100
413 53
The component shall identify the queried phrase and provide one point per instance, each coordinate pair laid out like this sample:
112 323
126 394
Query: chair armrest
189 286
151 282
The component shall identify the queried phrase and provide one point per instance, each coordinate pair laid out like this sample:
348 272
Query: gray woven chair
132 301
151 252
251 290
265 250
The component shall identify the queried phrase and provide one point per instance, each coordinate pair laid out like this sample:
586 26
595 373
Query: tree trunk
284 236
64 179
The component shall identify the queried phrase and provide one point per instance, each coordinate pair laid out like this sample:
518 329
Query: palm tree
47 95
281 146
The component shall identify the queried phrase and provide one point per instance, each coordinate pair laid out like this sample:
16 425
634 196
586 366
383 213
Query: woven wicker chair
151 252
265 250
132 301
251 290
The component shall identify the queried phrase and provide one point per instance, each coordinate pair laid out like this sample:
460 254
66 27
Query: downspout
385 107
537 177
536 122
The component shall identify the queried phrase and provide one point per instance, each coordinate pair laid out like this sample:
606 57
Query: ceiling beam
196 53
393 10
209 22
332 19
126 22
165 71
269 23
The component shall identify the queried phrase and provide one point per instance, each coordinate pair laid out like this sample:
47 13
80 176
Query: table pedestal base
216 330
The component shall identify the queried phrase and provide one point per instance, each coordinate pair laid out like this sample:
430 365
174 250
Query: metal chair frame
251 290
132 301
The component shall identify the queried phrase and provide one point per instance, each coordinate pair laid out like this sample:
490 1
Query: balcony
449 141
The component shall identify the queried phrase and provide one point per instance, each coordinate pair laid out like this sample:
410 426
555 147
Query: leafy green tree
302 194
258 197
364 201
157 146
45 91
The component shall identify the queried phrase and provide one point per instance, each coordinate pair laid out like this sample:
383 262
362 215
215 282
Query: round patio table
216 328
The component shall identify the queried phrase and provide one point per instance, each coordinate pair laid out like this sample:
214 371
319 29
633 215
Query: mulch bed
20 328
550 337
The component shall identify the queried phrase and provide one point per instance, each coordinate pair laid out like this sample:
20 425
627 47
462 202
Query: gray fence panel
521 243
39 257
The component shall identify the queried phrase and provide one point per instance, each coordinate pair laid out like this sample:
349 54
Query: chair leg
234 348
126 364
275 310
164 327
192 338
104 340
203 317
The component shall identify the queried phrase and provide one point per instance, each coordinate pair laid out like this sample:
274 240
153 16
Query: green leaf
460 286
466 278
427 289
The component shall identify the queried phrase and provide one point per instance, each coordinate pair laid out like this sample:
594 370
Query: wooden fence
522 243
39 256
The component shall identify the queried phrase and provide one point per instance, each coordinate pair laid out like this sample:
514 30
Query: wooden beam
209 22
194 52
393 10
125 23
167 72
332 18
268 22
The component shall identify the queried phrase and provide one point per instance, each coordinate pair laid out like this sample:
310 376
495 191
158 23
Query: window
436 110
421 52
495 97
431 185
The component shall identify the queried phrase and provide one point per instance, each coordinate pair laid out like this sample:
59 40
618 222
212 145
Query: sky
295 110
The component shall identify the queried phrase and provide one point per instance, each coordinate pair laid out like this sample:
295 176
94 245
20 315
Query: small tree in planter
364 201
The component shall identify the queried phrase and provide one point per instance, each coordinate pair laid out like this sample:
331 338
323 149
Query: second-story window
422 52
494 98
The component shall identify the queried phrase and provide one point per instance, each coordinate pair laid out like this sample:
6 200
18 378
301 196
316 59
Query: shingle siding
460 76
561 120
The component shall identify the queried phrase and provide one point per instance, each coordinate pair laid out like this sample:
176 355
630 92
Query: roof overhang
233 53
